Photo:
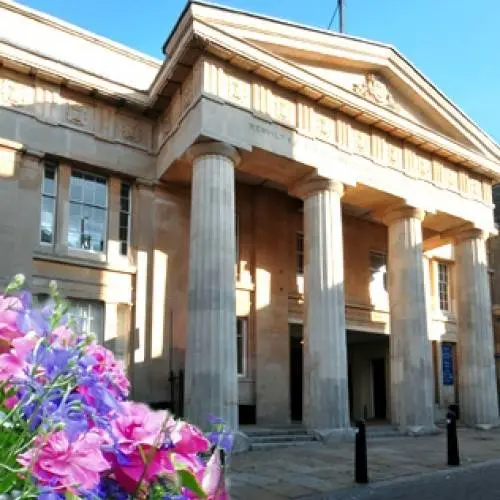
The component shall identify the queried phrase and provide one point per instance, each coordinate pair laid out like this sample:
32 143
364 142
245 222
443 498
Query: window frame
87 174
447 284
243 321
89 303
129 218
53 197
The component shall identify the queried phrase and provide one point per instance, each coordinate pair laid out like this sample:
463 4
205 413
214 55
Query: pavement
322 471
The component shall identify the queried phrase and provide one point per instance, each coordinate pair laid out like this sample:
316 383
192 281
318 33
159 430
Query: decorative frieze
239 91
284 110
324 126
361 140
78 114
131 130
475 187
449 176
394 153
15 93
55 105
424 167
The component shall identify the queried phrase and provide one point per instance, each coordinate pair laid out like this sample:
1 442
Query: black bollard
360 457
452 445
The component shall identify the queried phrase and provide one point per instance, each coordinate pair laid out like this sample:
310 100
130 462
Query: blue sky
455 43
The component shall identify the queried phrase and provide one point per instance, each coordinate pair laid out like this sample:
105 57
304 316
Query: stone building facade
296 218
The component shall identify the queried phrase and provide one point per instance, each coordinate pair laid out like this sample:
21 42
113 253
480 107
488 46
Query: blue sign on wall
447 361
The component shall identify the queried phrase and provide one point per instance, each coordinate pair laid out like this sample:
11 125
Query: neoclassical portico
360 150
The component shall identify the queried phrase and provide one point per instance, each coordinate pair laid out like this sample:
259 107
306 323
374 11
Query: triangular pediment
377 73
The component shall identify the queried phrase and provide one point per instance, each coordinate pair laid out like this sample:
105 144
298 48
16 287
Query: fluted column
326 399
211 384
476 363
412 396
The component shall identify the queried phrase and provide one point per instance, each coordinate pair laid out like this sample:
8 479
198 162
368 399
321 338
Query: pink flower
139 425
142 469
212 480
109 369
56 462
10 307
187 439
12 363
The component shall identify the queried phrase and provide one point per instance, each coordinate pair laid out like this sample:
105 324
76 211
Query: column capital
213 148
471 233
313 184
402 212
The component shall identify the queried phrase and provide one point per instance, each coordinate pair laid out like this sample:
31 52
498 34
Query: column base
241 442
484 427
419 430
334 435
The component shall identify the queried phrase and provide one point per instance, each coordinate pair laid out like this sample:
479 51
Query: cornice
291 76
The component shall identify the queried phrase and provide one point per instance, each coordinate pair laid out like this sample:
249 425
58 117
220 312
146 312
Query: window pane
89 317
47 220
49 181
100 193
76 187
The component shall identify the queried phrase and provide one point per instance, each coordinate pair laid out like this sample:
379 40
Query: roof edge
80 32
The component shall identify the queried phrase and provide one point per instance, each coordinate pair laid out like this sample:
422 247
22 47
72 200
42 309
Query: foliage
68 432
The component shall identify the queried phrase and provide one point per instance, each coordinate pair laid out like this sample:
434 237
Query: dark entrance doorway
296 371
379 388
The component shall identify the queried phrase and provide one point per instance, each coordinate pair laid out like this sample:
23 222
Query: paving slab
315 468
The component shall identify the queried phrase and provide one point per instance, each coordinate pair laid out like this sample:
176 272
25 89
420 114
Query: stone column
412 382
326 399
211 384
478 396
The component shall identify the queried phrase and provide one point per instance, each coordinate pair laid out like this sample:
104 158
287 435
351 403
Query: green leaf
187 480
71 496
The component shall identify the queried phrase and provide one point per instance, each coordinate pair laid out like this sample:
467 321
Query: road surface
474 482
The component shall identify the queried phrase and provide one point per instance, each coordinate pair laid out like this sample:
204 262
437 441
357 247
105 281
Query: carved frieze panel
376 90
475 187
78 114
16 94
239 91
361 140
449 177
284 110
394 154
131 130
424 166
324 127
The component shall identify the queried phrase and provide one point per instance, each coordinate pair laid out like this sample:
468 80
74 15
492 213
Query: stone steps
262 439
